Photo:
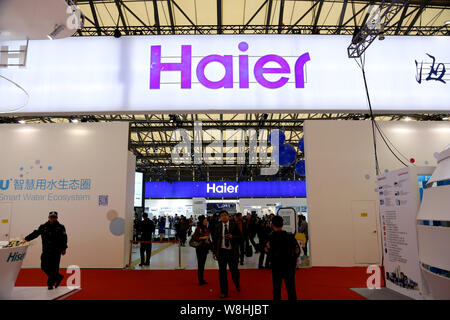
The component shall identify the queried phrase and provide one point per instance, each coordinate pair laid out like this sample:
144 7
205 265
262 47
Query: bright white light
22 121
407 119
74 120
446 118
447 22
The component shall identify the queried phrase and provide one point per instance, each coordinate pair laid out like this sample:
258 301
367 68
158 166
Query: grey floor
380 294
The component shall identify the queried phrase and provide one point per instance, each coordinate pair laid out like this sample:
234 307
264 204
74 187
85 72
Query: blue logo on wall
219 189
14 257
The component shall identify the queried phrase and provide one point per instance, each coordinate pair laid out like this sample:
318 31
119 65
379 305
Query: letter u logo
4 184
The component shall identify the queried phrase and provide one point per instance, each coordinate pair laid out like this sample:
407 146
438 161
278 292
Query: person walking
182 230
146 227
283 250
263 232
161 228
240 224
54 244
226 251
202 234
304 229
252 227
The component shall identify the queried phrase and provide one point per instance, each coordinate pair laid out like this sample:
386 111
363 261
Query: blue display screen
224 189
422 180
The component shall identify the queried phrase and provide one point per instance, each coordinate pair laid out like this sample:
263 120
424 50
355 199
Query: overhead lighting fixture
381 35
117 33
58 29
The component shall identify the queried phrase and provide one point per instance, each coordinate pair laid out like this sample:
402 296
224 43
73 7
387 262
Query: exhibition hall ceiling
152 143
134 17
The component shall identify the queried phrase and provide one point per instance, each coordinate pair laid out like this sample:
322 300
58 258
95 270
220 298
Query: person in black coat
263 236
227 237
283 251
54 244
146 228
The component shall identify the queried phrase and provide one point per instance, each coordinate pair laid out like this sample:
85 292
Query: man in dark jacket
283 250
227 237
263 232
54 244
146 228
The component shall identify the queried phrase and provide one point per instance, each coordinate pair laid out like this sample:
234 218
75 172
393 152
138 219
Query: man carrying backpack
283 251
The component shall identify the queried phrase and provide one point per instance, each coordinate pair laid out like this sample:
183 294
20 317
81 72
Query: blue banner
219 189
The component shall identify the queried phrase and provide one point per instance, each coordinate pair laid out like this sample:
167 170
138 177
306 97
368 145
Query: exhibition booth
86 172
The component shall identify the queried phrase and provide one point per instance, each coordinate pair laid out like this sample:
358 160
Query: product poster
398 195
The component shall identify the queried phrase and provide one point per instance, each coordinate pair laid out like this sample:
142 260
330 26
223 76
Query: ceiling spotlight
117 33
21 121
58 29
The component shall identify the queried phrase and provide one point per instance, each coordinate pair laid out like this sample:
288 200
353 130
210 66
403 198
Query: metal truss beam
94 15
156 14
122 17
367 34
269 13
316 18
256 29
172 23
416 17
341 18
219 16
280 19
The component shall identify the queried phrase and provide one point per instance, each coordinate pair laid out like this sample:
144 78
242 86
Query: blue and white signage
232 73
225 189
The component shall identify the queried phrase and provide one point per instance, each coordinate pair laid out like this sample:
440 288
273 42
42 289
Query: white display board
290 218
80 171
138 186
11 260
231 73
399 198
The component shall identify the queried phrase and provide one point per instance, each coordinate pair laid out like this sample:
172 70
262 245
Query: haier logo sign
15 257
221 188
259 69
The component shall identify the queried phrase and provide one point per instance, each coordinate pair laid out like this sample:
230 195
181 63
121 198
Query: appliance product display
433 230
399 201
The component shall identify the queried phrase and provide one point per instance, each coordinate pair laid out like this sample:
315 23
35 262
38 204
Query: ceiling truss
151 139
423 18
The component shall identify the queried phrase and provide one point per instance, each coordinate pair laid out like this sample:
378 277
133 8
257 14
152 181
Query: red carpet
318 283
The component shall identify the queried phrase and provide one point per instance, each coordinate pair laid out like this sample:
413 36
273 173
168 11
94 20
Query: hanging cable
384 137
22 89
377 167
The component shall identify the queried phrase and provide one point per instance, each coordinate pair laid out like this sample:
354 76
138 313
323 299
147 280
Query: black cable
377 168
381 134
385 135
